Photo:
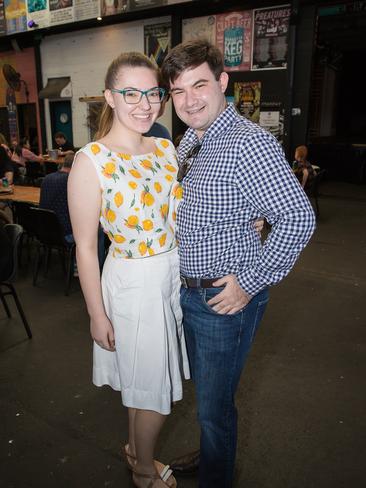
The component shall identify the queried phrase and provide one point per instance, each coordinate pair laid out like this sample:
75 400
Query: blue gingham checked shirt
240 174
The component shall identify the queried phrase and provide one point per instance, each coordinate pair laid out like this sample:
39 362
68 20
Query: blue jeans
218 346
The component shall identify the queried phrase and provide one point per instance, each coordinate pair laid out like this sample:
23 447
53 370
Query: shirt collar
221 123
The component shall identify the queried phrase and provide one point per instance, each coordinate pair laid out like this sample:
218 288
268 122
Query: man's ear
224 80
109 98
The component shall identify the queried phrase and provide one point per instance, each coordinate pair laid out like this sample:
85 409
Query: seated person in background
159 130
22 153
4 144
63 145
54 195
6 167
303 169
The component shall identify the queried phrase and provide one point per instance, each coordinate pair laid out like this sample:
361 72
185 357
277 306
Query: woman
6 166
22 153
128 181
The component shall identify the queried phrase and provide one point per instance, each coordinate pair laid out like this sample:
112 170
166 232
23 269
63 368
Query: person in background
6 167
62 144
303 169
232 172
128 183
54 195
23 153
4 144
157 129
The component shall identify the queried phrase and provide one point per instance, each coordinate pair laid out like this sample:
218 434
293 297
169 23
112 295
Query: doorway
61 118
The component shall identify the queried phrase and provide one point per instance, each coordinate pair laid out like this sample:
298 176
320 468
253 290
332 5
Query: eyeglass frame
162 91
184 167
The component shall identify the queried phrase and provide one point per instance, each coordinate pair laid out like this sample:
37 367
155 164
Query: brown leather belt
197 282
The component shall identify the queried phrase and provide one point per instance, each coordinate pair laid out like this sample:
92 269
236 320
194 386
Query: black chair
14 232
23 216
49 234
50 167
312 190
34 172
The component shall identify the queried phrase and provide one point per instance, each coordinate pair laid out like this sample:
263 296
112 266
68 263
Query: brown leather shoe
186 465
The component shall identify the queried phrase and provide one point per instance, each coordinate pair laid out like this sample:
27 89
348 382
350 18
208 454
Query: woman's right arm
30 156
84 198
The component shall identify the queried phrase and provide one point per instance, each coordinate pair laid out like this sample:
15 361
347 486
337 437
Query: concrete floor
301 400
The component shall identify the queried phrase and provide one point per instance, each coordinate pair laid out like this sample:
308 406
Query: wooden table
29 194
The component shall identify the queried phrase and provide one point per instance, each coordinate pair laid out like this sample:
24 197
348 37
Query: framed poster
270 37
234 39
247 97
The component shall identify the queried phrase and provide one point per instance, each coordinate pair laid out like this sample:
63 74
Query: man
54 195
232 172
63 145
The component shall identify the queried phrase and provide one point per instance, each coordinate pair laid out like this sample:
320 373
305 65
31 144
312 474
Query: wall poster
2 19
86 9
157 40
272 118
112 7
234 38
61 11
270 38
16 16
199 27
38 12
247 97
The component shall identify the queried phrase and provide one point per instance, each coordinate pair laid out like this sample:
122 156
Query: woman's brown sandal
166 474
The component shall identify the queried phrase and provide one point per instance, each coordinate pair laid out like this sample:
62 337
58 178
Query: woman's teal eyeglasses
133 96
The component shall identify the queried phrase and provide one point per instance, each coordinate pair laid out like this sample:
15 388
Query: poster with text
2 19
38 12
112 7
145 4
61 11
270 38
199 28
234 39
157 41
86 9
247 97
272 117
15 16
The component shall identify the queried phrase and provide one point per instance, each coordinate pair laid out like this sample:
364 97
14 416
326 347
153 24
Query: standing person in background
232 171
62 144
128 182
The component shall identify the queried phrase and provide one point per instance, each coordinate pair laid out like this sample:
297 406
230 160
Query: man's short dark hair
69 159
189 55
59 134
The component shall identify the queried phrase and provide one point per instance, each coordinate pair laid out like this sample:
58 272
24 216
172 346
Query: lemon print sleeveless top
140 195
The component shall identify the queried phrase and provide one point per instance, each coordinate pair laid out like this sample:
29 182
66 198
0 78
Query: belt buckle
183 281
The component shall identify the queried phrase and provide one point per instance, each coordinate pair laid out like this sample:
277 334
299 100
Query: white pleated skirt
141 299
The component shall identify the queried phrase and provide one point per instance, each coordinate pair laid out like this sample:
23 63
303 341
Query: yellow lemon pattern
139 198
